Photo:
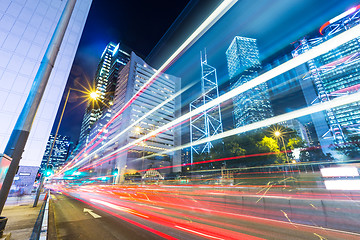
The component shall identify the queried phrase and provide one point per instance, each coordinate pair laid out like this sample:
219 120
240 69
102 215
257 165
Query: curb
40 227
45 221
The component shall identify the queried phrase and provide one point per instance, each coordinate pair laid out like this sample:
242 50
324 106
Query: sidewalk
21 216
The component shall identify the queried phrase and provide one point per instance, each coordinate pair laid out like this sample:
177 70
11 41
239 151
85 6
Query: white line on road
92 213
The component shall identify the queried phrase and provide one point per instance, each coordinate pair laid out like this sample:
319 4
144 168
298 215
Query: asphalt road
117 216
71 222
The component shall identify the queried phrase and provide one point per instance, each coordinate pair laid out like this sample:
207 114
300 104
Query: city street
73 223
191 120
110 214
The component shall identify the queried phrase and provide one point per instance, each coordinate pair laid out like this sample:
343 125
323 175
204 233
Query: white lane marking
94 215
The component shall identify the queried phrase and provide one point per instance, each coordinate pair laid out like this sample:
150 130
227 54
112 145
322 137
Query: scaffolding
207 123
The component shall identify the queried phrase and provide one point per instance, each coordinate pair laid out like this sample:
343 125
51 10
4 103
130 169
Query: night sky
138 25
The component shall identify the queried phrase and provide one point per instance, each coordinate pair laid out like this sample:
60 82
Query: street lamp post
92 95
280 134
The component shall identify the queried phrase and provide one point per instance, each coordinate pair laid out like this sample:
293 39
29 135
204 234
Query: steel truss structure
331 28
207 123
335 130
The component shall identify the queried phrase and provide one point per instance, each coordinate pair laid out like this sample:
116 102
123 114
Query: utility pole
51 150
21 131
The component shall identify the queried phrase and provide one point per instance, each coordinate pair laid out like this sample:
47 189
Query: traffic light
49 171
116 172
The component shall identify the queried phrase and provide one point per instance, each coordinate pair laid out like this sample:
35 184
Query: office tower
207 123
331 75
126 127
242 56
119 60
25 31
60 151
111 61
243 64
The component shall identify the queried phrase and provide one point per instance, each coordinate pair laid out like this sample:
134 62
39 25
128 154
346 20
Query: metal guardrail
41 224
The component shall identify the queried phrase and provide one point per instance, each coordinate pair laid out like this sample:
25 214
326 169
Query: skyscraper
111 61
242 56
25 32
131 78
60 151
331 75
119 60
243 63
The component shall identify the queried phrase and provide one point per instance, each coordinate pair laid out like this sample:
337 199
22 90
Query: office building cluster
134 100
331 75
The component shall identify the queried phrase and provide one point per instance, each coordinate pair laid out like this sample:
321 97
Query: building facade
331 75
130 123
60 152
26 28
112 60
243 64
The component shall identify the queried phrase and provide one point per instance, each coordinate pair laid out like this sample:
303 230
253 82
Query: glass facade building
333 74
26 28
243 64
131 78
60 152
112 60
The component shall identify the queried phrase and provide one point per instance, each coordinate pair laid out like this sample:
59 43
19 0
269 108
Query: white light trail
339 172
209 22
135 123
280 118
343 184
303 58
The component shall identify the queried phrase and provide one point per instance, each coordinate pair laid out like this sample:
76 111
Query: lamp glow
94 95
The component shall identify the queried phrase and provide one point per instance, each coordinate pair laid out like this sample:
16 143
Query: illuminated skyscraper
242 56
119 60
131 78
331 75
110 62
26 28
60 151
243 64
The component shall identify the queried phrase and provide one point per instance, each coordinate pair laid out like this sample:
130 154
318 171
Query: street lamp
137 130
279 134
92 95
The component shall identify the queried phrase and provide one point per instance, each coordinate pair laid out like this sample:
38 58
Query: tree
268 144
314 154
247 147
295 143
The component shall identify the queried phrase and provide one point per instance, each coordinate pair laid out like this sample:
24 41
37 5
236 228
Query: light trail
337 102
303 58
313 53
137 122
237 216
270 121
209 22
